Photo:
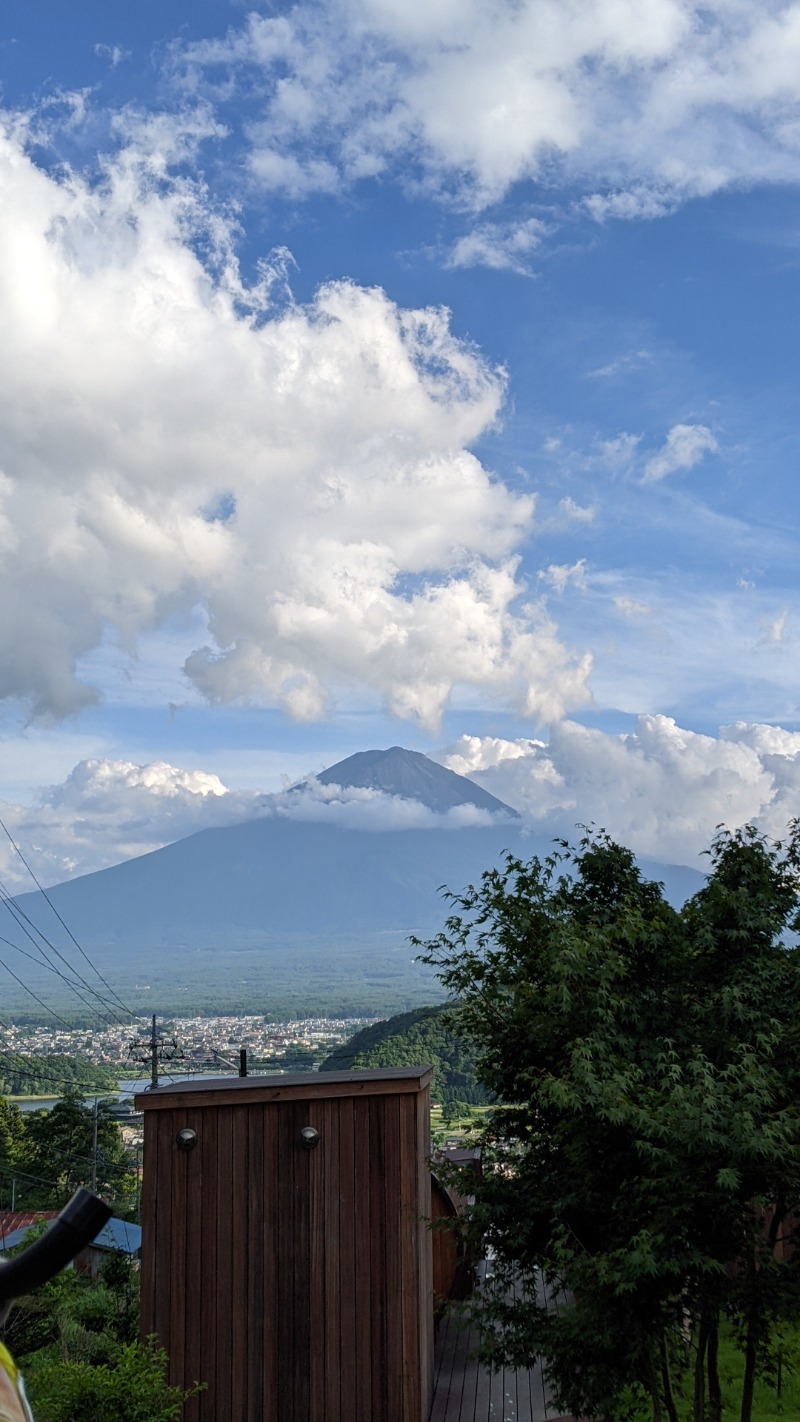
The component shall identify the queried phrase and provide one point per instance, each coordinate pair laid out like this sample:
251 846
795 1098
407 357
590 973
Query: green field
768 1405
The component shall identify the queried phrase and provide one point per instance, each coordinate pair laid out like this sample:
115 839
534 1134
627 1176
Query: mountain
413 777
305 914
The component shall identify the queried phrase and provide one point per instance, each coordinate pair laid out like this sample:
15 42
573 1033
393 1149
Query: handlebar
80 1221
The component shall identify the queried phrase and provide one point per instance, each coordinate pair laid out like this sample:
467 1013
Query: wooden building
286 1254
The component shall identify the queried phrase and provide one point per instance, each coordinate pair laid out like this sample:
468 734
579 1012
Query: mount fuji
297 907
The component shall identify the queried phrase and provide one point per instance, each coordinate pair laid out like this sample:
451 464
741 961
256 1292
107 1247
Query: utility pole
94 1149
138 1195
153 1056
153 1051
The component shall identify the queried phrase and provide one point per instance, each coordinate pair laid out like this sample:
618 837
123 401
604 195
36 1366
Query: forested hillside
47 1076
418 1038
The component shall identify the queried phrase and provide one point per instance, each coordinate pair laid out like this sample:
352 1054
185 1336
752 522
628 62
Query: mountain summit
414 777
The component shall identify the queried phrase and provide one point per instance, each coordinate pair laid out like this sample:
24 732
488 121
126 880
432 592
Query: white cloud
560 576
642 102
632 360
356 807
576 513
503 247
660 789
683 448
619 452
630 607
114 53
109 810
170 440
773 630
636 205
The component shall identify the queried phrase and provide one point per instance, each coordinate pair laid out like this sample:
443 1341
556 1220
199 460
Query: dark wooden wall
444 1244
297 1284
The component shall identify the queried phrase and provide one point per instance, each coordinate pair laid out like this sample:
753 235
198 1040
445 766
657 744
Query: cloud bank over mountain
660 789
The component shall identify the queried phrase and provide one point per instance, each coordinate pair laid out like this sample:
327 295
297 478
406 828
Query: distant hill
412 776
415 1039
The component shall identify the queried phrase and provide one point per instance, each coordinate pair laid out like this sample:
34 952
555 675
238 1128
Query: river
127 1087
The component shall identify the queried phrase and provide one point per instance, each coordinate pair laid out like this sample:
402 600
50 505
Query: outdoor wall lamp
308 1137
186 1139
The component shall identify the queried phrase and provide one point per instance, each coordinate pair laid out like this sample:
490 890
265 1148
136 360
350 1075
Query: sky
375 373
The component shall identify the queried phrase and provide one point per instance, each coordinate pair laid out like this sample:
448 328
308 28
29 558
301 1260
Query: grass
767 1405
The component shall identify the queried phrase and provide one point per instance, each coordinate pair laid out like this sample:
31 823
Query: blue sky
384 374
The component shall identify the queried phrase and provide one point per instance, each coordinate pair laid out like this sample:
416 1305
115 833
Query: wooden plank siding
296 1283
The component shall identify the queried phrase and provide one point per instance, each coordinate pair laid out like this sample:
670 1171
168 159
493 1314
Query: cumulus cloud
109 810
659 788
642 102
683 448
636 205
171 439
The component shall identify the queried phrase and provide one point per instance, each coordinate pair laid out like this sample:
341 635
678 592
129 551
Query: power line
51 968
19 914
32 994
67 930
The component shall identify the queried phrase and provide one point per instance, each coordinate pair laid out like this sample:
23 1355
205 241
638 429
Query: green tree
647 1153
132 1387
418 1038
12 1145
60 1150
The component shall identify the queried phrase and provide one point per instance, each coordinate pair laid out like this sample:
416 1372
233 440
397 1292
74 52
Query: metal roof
118 1235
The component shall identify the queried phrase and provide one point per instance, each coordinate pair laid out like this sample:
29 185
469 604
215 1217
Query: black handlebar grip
80 1221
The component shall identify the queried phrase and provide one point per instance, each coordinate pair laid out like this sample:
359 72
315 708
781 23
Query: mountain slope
414 777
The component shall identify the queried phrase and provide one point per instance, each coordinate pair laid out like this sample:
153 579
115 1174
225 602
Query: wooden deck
463 1391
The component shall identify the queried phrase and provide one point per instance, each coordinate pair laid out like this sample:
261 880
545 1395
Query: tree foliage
131 1387
646 1158
45 1155
34 1076
61 1148
425 1037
